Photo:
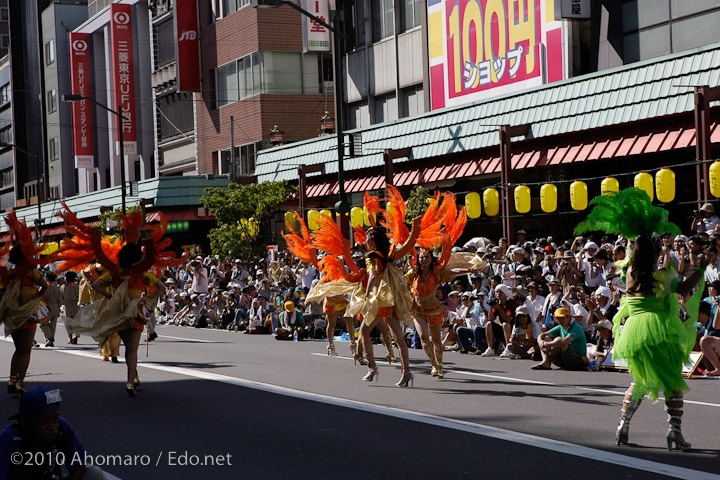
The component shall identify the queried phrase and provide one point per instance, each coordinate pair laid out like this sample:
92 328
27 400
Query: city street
217 404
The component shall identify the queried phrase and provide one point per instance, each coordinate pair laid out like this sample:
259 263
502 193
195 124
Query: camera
492 302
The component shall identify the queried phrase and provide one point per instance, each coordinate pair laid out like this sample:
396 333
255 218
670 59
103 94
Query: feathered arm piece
410 243
24 238
372 205
360 235
447 244
331 268
131 225
329 238
432 222
455 220
299 244
394 217
629 213
354 277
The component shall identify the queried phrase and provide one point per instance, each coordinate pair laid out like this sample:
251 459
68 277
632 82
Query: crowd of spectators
547 299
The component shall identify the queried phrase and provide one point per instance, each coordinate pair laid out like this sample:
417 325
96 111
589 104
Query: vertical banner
272 251
82 111
318 37
187 45
124 73
483 48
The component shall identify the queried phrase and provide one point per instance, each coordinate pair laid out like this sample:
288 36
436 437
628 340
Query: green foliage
417 203
237 202
114 215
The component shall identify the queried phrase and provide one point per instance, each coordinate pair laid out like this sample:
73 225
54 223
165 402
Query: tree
241 212
417 203
114 215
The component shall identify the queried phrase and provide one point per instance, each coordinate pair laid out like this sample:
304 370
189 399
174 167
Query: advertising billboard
124 73
82 111
188 45
483 48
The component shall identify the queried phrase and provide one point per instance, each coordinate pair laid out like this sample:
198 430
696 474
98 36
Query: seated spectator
564 345
710 344
521 340
500 320
604 342
257 315
291 322
41 430
474 316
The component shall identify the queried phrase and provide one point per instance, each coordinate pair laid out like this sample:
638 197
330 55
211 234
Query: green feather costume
654 340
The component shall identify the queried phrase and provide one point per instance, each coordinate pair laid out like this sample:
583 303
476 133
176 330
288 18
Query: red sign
124 73
82 113
188 45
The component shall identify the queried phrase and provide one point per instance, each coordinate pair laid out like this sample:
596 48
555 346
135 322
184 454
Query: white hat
708 207
506 290
603 292
604 324
169 281
518 251
681 238
522 310
259 272
454 292
590 245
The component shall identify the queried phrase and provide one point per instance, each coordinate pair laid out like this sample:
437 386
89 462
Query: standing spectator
199 277
704 219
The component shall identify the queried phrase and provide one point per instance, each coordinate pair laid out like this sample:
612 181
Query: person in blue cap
42 444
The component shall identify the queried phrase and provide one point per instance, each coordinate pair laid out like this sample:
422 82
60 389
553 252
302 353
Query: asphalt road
216 404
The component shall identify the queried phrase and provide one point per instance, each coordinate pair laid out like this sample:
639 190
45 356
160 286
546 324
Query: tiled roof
630 93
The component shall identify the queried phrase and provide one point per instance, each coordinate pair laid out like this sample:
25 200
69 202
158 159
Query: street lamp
276 136
70 98
37 166
341 206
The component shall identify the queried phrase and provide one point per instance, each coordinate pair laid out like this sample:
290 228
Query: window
245 156
165 41
227 84
325 74
383 19
55 192
248 69
50 52
54 148
386 108
4 14
30 190
175 113
7 178
231 6
358 115
5 41
413 102
52 100
410 14
282 73
5 94
6 135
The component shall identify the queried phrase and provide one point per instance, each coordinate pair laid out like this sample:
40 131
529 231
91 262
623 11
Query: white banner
318 37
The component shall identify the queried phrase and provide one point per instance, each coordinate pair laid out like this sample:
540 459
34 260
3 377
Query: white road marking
186 339
444 422
534 382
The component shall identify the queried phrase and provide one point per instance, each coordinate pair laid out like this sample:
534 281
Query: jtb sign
479 48
188 45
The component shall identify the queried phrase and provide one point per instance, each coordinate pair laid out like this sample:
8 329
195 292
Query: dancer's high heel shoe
406 380
130 389
623 429
331 351
674 409
358 358
12 385
371 375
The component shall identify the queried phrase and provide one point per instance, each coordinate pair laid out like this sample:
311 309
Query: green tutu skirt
655 342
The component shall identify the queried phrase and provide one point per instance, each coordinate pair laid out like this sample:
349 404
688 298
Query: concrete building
57 21
7 154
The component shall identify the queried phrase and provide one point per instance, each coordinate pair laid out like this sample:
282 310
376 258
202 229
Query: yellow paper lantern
548 198
473 206
327 212
290 221
578 195
715 179
644 181
491 202
312 219
609 184
665 185
366 217
356 217
253 227
523 200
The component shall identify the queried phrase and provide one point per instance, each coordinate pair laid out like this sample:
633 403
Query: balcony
164 76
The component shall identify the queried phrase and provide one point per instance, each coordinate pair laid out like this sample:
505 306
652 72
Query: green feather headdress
629 213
